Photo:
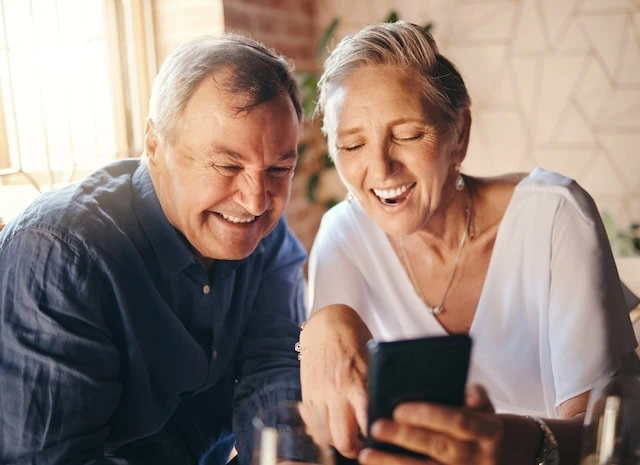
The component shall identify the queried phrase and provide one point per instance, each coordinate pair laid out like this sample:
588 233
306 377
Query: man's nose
254 195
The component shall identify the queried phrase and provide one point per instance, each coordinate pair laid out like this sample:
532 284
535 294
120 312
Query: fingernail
376 428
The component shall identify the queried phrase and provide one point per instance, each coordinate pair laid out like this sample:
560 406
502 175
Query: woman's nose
382 165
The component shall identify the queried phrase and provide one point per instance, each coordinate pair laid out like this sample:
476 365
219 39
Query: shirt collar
168 244
171 248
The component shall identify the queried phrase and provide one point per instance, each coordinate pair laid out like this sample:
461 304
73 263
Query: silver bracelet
548 453
298 347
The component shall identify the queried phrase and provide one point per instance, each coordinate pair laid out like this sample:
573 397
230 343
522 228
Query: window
74 85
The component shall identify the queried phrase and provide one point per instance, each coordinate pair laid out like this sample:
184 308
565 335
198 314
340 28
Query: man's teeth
391 193
233 219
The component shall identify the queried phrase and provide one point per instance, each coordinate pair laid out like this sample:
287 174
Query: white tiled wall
554 83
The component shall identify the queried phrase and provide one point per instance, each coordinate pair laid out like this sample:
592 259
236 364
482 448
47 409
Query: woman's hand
333 372
448 435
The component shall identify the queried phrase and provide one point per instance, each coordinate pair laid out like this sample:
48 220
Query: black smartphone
431 369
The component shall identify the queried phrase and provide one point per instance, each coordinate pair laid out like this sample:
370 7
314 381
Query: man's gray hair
253 71
406 46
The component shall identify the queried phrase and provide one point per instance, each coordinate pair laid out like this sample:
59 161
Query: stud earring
459 182
349 197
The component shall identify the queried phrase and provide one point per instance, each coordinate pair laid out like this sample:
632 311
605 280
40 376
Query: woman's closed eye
350 147
408 137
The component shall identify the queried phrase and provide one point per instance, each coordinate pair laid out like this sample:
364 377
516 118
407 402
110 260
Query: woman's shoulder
549 188
566 191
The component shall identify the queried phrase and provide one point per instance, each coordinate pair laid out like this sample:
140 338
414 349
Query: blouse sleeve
334 276
589 326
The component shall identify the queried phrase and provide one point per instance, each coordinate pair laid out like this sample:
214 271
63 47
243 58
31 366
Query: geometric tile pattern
554 83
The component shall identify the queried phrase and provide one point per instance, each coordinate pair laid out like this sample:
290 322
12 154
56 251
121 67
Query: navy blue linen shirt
117 346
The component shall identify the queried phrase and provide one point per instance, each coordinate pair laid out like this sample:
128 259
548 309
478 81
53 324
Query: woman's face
389 150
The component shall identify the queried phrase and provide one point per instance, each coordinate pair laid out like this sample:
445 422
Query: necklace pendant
435 310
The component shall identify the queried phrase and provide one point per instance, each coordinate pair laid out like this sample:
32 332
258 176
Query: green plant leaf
331 203
312 187
392 18
609 226
309 107
327 35
302 149
308 84
327 161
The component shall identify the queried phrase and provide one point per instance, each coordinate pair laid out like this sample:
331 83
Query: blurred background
554 83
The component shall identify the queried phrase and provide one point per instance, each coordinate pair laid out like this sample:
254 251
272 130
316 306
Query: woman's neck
451 220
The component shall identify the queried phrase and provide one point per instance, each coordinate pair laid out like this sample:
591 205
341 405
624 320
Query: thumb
477 398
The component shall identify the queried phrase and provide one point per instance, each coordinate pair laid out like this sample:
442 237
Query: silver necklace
438 308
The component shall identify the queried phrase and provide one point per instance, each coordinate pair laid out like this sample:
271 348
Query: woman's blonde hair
404 45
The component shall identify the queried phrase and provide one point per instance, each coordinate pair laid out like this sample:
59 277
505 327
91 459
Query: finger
438 446
378 457
460 423
359 401
316 424
344 429
477 398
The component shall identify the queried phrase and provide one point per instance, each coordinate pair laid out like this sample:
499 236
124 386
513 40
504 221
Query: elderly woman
519 262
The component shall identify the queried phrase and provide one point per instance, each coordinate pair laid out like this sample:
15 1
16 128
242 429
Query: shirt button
215 355
206 289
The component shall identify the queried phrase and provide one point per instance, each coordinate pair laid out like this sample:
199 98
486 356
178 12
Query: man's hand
449 436
333 371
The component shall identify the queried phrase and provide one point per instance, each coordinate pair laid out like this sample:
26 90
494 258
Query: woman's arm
333 372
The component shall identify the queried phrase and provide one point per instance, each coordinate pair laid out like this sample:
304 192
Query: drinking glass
291 433
611 433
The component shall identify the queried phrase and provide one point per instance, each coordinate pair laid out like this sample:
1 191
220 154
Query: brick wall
285 25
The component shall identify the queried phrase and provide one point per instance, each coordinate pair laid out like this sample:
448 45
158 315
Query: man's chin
229 251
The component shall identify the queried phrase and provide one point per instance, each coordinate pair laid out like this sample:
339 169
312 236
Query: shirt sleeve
334 277
589 326
59 371
269 366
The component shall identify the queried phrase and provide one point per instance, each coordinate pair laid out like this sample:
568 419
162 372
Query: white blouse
551 319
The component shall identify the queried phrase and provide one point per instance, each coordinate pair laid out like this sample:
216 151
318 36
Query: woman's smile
394 196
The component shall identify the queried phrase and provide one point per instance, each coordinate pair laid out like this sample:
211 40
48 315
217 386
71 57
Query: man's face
225 179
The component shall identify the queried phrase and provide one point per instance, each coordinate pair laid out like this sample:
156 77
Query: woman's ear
463 129
150 141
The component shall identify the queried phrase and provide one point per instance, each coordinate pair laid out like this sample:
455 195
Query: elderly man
149 311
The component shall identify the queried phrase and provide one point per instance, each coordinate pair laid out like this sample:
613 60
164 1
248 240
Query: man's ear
150 141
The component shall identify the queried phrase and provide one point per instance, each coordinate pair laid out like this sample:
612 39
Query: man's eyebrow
291 154
220 150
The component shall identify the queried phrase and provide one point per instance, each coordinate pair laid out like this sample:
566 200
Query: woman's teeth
392 196
234 219
391 193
